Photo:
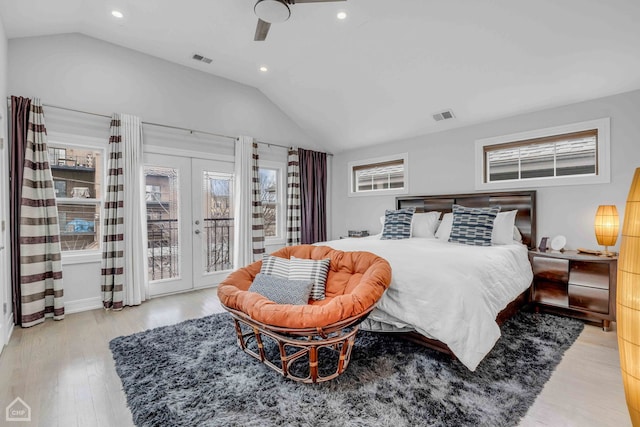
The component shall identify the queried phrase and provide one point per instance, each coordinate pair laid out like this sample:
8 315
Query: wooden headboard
522 201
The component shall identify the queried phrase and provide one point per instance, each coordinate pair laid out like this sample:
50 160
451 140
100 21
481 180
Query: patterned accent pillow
282 291
473 226
311 269
275 266
397 224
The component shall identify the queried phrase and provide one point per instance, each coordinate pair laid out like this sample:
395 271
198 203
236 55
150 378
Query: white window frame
281 205
61 140
603 167
385 191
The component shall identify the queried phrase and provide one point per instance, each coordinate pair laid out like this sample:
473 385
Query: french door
190 222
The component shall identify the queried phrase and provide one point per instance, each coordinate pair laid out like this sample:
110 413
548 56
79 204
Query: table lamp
607 225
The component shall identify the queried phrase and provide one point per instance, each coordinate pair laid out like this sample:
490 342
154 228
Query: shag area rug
194 374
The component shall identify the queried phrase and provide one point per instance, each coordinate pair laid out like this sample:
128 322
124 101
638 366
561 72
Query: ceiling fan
275 11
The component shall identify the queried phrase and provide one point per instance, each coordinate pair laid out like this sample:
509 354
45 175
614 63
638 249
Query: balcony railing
219 244
164 246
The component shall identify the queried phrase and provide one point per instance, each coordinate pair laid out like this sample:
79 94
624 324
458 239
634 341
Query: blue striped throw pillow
311 269
473 226
397 224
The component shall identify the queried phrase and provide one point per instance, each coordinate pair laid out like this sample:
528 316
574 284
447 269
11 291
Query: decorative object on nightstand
629 301
575 284
607 225
543 244
558 243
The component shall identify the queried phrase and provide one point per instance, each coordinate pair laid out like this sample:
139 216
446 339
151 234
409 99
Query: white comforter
447 291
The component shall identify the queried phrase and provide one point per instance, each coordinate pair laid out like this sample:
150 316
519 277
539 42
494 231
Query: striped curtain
248 232
19 127
40 260
113 233
257 225
293 198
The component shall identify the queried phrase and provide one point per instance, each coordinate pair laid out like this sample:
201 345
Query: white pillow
516 234
502 233
424 224
444 230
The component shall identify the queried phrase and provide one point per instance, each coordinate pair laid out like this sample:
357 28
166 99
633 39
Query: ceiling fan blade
262 29
313 1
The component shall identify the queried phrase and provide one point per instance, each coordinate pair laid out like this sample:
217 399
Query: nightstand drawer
592 274
588 298
551 269
552 293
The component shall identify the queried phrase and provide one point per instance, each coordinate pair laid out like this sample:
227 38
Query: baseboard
79 305
8 321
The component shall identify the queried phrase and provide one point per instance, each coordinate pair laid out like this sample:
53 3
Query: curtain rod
269 144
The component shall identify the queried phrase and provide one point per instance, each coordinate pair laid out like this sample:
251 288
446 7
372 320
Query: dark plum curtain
18 144
313 196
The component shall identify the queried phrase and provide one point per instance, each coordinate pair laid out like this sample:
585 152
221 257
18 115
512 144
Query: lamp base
606 253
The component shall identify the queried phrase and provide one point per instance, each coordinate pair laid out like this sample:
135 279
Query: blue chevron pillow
473 226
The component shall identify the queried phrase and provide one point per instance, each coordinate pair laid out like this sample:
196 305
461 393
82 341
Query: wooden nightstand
575 284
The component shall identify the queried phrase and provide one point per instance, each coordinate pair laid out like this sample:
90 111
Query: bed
449 296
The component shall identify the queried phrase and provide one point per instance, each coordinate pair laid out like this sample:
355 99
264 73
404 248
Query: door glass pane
269 199
162 201
217 239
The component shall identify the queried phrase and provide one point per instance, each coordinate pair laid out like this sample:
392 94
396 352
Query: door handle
197 231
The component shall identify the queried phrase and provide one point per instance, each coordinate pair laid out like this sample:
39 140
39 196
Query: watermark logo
18 410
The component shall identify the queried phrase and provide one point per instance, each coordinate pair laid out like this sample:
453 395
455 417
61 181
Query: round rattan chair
318 336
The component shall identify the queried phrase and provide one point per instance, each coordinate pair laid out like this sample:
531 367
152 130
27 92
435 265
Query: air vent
444 115
202 58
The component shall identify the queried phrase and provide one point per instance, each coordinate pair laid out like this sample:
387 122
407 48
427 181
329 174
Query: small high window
572 154
382 175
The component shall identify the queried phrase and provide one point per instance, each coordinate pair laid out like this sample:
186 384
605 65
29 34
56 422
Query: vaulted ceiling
381 73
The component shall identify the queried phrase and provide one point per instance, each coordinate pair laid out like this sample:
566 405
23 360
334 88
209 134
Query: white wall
83 73
73 70
5 284
443 163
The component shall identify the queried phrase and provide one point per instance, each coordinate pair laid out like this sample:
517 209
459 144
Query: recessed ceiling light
342 15
263 69
117 14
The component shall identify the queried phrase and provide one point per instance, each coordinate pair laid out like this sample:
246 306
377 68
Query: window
272 194
77 179
381 175
572 154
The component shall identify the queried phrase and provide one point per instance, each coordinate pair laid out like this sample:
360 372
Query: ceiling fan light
272 11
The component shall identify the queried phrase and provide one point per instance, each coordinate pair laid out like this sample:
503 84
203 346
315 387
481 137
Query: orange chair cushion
355 282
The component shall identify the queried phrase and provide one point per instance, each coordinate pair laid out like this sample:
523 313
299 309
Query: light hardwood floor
65 372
